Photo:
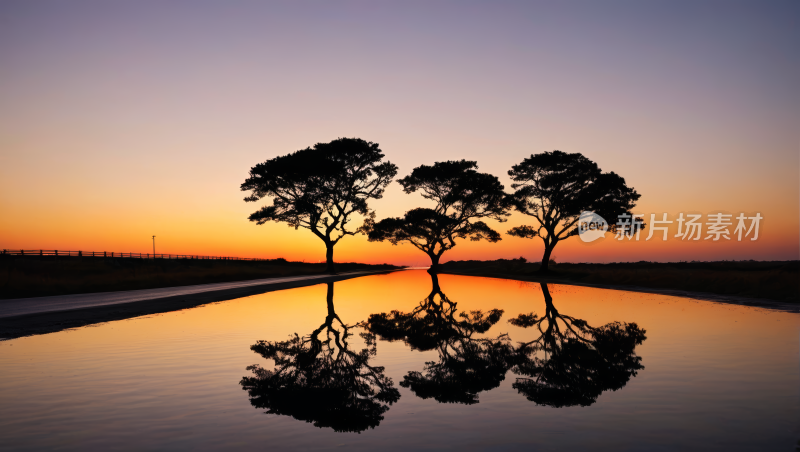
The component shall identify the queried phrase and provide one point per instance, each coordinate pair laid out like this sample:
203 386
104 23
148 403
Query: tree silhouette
463 197
572 363
318 379
467 364
555 187
321 188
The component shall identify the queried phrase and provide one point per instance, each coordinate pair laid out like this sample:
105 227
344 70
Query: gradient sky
123 120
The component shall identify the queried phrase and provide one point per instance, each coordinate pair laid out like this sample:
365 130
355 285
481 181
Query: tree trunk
548 250
329 258
435 289
329 299
434 268
548 299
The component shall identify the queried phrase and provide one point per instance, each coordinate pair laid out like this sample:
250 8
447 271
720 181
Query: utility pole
154 247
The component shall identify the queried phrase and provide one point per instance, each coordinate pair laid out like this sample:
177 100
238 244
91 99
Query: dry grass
771 280
34 276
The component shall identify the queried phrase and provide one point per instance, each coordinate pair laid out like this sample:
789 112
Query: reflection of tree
467 365
318 379
572 363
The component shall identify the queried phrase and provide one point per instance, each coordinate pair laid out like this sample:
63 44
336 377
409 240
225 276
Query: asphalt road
37 305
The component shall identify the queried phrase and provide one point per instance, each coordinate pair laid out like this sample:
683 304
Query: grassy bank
36 276
770 280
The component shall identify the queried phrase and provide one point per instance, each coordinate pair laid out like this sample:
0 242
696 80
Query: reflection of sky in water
714 375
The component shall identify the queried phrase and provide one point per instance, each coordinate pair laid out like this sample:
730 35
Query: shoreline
44 322
704 296
52 321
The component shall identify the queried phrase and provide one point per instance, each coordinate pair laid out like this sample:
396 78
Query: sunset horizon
144 131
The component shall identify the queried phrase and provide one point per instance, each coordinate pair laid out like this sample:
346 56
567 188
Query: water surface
401 361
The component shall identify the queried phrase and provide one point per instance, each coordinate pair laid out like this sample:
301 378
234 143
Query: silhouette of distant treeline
325 187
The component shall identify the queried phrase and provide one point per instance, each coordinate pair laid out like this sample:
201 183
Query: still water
407 362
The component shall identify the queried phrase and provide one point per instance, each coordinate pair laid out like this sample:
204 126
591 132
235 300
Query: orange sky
122 122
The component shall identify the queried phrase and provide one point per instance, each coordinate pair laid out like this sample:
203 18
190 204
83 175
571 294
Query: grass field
770 280
35 276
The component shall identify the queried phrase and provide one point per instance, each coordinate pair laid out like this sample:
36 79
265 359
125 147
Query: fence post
22 252
41 252
79 254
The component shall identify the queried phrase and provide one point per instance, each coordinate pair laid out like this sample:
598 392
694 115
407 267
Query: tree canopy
319 379
555 187
468 362
572 363
321 188
463 197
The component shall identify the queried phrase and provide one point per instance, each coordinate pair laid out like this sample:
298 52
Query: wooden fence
125 255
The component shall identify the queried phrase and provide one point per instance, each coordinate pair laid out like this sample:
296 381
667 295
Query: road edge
54 321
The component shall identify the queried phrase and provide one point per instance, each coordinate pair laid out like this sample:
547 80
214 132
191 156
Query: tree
463 197
321 188
318 379
468 363
555 187
572 363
